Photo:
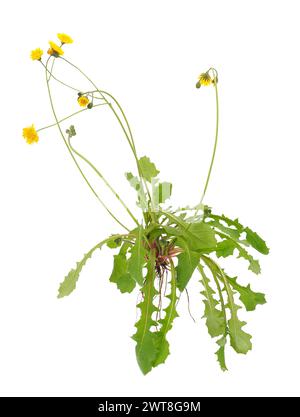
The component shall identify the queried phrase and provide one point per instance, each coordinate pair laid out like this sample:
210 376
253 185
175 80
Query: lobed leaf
69 284
249 298
120 274
167 322
215 322
148 169
146 341
221 353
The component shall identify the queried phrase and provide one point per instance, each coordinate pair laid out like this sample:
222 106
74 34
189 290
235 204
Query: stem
72 156
215 145
65 84
103 179
128 137
68 117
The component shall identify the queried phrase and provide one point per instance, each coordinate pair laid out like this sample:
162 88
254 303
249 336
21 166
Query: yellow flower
205 79
83 101
64 38
55 49
36 54
30 134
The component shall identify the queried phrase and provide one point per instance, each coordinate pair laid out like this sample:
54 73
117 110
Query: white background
148 53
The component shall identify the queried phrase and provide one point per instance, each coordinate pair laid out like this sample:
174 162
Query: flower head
36 54
64 38
204 79
83 101
30 134
55 49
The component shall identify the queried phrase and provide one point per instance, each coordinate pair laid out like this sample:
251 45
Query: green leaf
201 236
146 347
221 353
254 265
252 238
198 235
225 248
148 169
234 233
115 243
138 257
187 263
215 320
167 322
249 298
136 184
256 241
239 340
70 281
234 223
161 192
120 275
126 283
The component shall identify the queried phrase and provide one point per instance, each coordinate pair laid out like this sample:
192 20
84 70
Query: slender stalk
103 179
128 137
67 85
215 144
68 117
72 156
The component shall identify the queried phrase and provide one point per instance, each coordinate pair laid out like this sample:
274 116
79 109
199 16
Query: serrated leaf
70 281
252 238
137 259
239 340
249 298
146 347
225 248
187 263
235 223
256 241
120 275
215 321
221 353
254 265
167 322
148 169
234 233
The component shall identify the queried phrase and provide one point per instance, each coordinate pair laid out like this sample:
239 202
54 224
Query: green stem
128 137
104 180
68 117
65 84
72 156
215 144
